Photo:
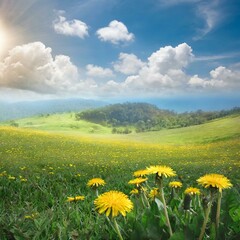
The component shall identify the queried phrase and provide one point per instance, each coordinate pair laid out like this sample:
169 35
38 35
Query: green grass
216 130
220 129
51 162
64 122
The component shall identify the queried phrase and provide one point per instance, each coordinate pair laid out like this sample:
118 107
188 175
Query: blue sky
119 49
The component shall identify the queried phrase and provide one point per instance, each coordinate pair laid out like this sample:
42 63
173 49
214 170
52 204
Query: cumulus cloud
128 64
32 67
164 69
70 28
220 78
164 73
97 71
116 32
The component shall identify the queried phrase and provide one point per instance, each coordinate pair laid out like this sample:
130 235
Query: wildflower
4 173
153 193
140 173
192 191
11 177
75 199
215 181
137 181
23 180
175 184
161 171
32 216
134 191
96 182
112 203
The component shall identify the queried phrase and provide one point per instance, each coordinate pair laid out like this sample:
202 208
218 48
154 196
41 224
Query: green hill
144 117
215 130
60 122
40 170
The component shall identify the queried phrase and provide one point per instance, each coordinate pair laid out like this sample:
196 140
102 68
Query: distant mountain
11 111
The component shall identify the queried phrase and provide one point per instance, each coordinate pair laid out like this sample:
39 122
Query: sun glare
3 39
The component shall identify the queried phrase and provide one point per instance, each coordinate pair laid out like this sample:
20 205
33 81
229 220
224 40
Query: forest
147 117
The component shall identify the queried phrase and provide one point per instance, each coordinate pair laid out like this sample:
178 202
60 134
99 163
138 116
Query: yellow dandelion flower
134 191
140 173
32 216
112 203
96 182
153 193
214 180
75 199
192 191
23 180
137 181
175 184
11 177
161 171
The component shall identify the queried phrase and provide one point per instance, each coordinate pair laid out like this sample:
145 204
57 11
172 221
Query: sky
120 49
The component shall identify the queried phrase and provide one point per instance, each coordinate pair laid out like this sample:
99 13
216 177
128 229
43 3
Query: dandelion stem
116 227
143 202
206 218
146 200
165 210
96 190
218 211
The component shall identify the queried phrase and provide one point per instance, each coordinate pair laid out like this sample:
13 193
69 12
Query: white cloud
163 71
210 14
170 58
128 64
217 57
32 67
116 32
220 78
201 83
169 3
70 28
96 71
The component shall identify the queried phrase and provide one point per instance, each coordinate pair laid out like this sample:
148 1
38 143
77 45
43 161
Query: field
39 170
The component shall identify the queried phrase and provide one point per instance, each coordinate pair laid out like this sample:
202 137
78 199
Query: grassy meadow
39 170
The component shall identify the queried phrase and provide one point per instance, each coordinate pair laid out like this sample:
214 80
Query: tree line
147 117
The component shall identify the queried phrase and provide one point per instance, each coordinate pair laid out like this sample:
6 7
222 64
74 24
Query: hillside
59 122
17 110
144 117
215 130
41 170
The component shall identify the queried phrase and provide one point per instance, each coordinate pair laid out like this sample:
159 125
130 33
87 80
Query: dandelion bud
187 202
